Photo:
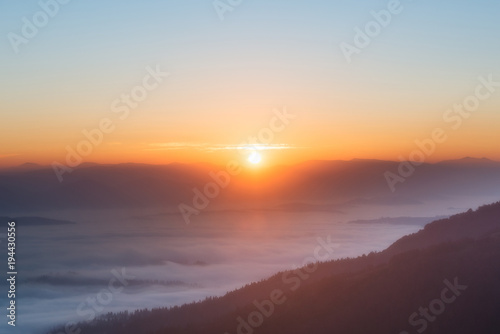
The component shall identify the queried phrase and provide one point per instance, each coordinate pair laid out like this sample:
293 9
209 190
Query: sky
231 71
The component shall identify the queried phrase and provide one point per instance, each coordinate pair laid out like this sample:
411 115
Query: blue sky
263 54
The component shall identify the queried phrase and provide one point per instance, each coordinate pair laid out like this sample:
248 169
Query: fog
171 263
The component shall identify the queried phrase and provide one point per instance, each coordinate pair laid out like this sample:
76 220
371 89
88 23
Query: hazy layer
174 263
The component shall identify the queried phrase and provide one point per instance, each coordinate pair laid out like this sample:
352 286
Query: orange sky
226 78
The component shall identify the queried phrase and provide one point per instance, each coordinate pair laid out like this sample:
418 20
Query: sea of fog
150 259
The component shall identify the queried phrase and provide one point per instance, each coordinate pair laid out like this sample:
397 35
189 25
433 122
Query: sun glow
255 158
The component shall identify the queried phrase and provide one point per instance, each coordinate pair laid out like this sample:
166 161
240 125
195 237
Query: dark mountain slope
370 294
382 299
471 224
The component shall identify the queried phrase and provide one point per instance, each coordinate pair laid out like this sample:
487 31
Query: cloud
217 147
173 264
9 155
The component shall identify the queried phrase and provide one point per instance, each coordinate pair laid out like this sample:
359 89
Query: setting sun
255 158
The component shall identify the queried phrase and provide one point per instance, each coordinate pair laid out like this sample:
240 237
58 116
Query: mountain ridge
166 186
372 287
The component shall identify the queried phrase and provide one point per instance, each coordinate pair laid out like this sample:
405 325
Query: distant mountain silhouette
396 220
35 221
379 293
471 162
307 184
27 166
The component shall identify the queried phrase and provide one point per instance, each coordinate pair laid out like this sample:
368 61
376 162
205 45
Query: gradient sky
226 77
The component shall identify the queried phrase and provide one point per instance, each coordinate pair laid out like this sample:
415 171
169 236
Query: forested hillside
397 290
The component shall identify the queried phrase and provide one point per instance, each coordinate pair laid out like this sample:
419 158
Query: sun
255 158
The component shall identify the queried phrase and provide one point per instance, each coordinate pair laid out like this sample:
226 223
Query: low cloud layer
172 263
